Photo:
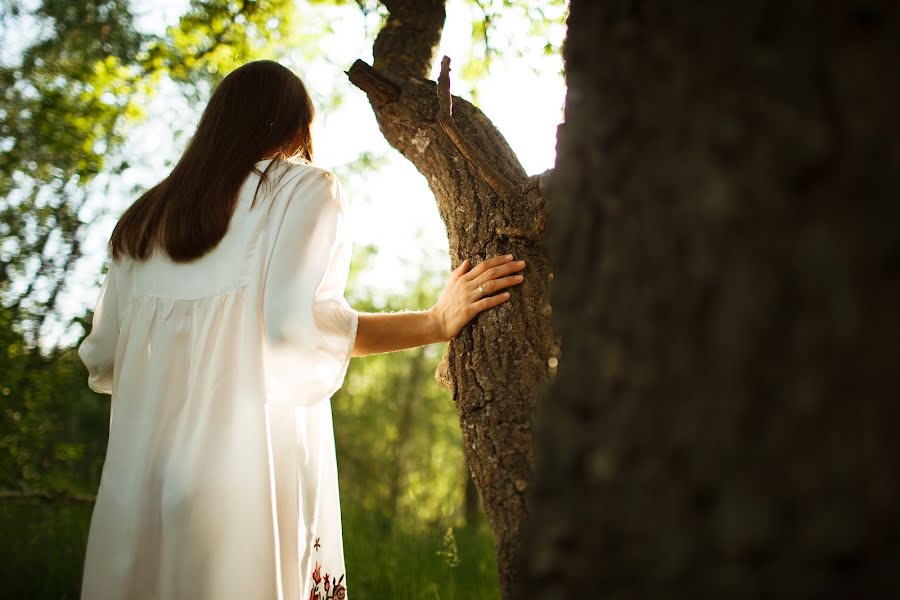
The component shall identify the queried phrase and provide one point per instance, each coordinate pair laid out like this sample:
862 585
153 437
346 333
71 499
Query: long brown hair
260 110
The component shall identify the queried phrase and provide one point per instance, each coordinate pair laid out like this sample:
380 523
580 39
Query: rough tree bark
723 222
490 206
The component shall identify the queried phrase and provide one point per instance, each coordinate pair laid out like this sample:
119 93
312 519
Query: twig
498 182
487 26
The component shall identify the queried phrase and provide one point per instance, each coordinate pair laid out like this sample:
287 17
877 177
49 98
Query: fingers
458 271
490 301
487 264
493 285
497 272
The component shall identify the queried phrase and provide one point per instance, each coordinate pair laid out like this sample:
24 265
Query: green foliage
212 38
54 428
60 105
523 31
61 102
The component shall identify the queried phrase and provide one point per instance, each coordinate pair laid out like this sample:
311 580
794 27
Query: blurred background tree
723 423
81 82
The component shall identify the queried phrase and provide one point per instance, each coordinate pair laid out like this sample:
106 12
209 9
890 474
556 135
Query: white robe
220 480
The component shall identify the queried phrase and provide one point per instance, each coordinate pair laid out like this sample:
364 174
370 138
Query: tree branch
406 44
494 178
377 87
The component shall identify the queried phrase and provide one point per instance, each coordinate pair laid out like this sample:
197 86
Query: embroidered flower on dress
327 587
317 573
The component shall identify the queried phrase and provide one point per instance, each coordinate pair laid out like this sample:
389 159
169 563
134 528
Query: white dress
220 480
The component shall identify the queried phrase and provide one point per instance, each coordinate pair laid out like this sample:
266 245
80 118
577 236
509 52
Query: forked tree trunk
725 223
496 365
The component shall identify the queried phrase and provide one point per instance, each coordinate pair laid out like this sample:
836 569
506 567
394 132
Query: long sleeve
310 327
98 350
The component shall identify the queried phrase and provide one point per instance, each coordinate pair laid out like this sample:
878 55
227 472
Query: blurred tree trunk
496 365
407 406
724 224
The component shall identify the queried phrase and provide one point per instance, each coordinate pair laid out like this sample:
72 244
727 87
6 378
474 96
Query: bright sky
389 205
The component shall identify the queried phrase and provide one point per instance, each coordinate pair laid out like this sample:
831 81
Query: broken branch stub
377 87
496 180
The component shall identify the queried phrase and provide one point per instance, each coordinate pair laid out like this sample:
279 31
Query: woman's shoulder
290 173
299 182
297 189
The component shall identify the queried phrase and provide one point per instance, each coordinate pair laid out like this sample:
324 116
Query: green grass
42 549
404 564
42 555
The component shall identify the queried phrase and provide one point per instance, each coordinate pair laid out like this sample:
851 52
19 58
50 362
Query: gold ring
481 289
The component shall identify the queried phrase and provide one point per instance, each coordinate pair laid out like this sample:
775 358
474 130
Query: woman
221 332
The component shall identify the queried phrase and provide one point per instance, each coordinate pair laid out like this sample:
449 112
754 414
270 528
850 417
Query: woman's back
220 479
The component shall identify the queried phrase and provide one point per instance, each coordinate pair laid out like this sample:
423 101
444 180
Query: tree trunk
497 363
724 224
470 498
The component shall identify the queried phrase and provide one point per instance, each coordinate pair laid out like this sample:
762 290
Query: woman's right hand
462 299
